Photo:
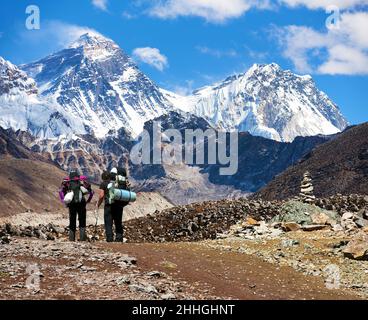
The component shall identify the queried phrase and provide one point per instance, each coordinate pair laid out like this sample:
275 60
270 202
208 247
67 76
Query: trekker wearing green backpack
113 209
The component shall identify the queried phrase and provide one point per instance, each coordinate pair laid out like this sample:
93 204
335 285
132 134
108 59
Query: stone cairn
306 189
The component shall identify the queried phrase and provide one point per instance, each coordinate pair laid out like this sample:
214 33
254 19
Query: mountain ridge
337 166
97 82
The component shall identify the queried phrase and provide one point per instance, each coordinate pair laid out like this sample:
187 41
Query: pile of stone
199 221
306 189
294 215
43 232
297 215
351 221
194 222
342 204
252 229
212 219
4 237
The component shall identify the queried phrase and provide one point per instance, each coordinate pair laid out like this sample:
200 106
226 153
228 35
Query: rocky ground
158 271
240 249
82 271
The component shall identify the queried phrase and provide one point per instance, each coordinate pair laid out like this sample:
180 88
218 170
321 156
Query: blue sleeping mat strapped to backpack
124 195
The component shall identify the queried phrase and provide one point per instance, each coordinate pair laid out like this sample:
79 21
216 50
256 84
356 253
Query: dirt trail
228 274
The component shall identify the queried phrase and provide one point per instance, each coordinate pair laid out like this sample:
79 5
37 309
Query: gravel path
148 271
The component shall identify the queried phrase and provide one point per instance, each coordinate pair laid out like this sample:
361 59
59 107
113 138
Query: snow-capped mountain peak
99 86
270 102
95 81
21 107
95 46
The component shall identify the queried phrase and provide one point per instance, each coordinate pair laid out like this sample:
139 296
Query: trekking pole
96 224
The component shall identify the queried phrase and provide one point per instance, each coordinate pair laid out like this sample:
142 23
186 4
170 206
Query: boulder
361 223
290 226
337 227
321 218
251 222
168 296
314 227
357 248
303 213
347 216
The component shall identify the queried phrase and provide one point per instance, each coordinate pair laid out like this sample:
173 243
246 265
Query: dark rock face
260 160
13 78
338 166
10 145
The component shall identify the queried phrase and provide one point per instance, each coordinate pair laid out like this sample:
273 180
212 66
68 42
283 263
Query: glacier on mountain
267 101
93 79
93 87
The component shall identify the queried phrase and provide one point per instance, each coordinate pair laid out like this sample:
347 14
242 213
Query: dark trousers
77 209
113 215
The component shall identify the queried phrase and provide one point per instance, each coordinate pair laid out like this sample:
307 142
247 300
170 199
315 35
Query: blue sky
185 44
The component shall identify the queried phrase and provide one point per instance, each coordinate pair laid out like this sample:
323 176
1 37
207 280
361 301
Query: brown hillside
27 180
337 166
28 185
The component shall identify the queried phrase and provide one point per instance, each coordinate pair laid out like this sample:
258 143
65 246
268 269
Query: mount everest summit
93 87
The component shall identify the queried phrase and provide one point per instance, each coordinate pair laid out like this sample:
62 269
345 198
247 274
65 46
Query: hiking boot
82 234
119 237
71 235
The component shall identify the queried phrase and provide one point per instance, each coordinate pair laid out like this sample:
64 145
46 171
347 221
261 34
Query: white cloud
54 35
217 11
216 52
336 51
220 11
345 60
151 56
323 4
100 4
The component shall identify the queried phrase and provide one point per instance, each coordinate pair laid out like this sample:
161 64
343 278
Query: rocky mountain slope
269 102
94 80
28 181
21 108
260 160
338 166
97 84
91 100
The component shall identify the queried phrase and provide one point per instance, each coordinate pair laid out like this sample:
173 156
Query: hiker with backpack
115 192
72 194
